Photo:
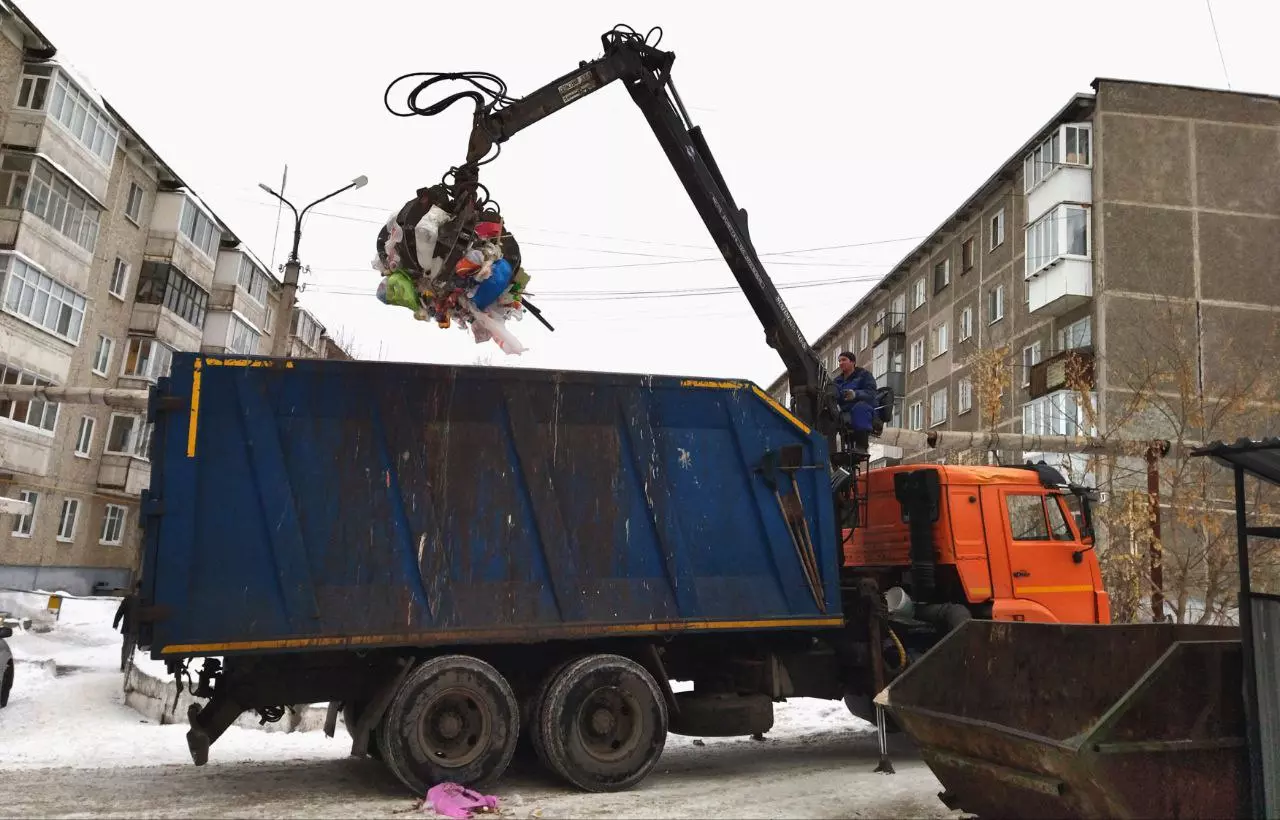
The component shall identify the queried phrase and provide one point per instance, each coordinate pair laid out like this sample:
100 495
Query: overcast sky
853 124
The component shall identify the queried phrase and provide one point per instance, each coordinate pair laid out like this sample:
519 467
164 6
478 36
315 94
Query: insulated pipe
920 440
108 396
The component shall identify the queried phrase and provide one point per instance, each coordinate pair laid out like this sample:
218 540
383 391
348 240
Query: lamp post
293 268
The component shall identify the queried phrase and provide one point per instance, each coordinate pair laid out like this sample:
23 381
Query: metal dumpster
1050 720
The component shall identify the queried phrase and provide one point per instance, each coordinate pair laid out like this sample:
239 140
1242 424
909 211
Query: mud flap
370 715
208 724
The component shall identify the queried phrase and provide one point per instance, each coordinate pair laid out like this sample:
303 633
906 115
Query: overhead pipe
106 396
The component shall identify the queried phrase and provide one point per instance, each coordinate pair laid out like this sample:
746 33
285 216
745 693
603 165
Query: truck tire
602 723
454 719
6 684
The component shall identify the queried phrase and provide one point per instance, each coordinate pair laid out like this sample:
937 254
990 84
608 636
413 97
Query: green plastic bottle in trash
397 288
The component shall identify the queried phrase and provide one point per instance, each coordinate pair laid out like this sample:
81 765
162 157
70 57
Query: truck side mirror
1077 556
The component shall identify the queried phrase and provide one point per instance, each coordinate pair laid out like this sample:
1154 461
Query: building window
898 306
915 416
308 330
995 304
941 275
997 229
84 438
1077 334
24 525
966 323
966 256
242 339
40 299
200 229
113 525
72 108
37 413
30 183
147 358
119 284
917 354
964 396
940 340
1067 145
1030 358
252 280
102 355
864 337
161 283
128 436
1062 232
33 92
67 520
1057 414
938 407
917 293
133 205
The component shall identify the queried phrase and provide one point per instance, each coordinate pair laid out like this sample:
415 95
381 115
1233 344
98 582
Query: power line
1209 5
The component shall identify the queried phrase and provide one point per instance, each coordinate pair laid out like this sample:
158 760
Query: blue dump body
329 504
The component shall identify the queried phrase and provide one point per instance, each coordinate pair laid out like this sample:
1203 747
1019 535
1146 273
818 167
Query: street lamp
293 268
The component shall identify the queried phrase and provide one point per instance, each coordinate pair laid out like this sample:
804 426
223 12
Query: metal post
293 268
1253 732
1156 548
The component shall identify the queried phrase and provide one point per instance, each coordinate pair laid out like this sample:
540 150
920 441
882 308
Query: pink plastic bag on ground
453 800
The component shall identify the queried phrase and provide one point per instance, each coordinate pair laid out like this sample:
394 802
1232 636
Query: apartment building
109 263
1134 235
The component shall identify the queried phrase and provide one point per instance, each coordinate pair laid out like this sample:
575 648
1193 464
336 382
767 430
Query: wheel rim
609 724
455 728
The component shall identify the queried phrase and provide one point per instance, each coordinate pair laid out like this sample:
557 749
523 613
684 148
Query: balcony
184 233
123 474
1070 369
1060 169
888 326
169 306
1059 260
895 379
57 114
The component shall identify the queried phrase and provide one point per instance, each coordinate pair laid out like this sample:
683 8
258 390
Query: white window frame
242 337
119 284
31 183
917 356
84 437
1051 238
137 444
24 526
1030 358
965 324
307 330
995 231
898 306
77 113
973 255
101 365
915 415
864 336
133 203
33 90
156 367
72 504
1054 153
938 401
199 228
995 304
37 409
120 520
1059 413
1076 335
943 267
252 280
941 339
41 301
964 396
918 296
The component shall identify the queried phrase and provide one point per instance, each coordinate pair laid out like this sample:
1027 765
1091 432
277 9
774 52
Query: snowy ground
69 747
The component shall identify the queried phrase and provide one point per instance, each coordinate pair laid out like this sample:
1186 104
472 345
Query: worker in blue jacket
856 389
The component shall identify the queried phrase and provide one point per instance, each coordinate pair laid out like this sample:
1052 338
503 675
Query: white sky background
834 123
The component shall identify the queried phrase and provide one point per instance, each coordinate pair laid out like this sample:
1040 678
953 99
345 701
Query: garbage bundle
453 271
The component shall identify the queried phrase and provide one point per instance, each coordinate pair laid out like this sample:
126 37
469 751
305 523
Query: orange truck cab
1011 543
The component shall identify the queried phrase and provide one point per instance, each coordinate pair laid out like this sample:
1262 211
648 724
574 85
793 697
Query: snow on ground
67 734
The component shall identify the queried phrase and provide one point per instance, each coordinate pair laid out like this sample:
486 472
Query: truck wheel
6 684
602 723
454 719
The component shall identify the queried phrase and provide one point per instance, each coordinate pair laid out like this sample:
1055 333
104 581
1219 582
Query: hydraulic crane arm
646 72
